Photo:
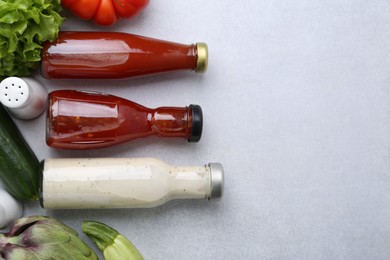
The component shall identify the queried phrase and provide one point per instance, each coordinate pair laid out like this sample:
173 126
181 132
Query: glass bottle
86 120
108 55
85 183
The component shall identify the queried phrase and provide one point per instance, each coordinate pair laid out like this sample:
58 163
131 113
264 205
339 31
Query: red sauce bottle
108 55
86 120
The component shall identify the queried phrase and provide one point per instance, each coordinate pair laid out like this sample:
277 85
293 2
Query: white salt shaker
24 98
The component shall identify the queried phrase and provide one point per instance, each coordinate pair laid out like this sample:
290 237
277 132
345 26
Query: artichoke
110 242
40 237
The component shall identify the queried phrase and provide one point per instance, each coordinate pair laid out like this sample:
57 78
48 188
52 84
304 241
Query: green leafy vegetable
24 26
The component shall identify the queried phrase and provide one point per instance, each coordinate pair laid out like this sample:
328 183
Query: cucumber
19 167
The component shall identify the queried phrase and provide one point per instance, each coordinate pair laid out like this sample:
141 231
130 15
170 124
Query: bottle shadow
175 207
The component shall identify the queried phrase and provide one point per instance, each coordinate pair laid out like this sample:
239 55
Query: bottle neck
171 122
190 182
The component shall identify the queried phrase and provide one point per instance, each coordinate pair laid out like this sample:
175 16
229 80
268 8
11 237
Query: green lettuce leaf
24 26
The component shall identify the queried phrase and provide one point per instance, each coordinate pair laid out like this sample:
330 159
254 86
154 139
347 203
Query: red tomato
85 9
105 12
68 3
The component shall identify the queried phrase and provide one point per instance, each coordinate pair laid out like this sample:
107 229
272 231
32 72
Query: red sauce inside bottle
113 55
84 120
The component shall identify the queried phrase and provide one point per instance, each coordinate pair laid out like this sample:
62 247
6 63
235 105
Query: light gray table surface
296 105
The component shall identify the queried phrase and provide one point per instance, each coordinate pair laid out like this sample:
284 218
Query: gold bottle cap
203 57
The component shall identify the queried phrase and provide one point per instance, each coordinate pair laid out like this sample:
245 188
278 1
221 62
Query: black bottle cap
197 123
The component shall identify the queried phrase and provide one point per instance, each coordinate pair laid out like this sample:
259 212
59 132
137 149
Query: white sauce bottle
69 183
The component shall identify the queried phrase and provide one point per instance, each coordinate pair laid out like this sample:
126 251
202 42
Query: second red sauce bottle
87 120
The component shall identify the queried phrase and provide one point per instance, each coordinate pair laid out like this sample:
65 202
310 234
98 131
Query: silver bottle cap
217 180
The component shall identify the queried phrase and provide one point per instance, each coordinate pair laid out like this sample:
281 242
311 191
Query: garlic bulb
10 208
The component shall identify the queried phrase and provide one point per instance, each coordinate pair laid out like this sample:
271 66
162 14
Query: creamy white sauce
119 183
